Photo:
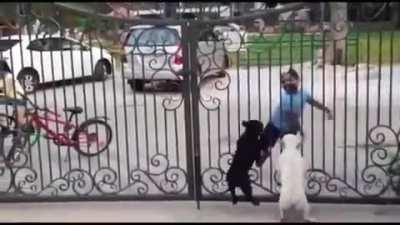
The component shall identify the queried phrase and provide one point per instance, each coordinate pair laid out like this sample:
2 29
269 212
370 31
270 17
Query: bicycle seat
73 109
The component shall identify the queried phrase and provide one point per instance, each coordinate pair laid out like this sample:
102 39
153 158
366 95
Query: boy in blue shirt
285 117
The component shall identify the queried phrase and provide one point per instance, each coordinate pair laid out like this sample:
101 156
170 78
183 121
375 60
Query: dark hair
4 67
293 73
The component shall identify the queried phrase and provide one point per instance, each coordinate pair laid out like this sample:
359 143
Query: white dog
293 202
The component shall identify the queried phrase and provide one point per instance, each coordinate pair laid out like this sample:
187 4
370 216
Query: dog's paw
235 200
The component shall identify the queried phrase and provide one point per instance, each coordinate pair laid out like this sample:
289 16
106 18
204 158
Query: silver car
154 54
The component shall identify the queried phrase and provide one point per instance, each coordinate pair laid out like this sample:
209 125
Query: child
285 117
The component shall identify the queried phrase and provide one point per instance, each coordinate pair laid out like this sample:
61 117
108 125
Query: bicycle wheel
12 149
92 137
12 140
7 122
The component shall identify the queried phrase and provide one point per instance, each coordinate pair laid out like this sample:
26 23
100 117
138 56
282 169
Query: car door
81 58
49 51
72 58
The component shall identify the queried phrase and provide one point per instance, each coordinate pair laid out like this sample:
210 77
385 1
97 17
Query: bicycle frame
59 138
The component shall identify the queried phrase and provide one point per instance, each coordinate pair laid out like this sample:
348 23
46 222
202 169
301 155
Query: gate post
191 94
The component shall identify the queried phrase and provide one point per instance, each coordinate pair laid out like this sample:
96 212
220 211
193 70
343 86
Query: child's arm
320 106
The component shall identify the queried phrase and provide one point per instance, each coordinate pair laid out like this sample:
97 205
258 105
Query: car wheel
101 70
29 79
137 85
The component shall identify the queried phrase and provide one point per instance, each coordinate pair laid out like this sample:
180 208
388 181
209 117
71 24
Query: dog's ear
245 123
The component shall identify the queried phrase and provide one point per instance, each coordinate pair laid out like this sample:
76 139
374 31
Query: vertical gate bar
145 117
94 92
248 85
270 112
334 111
23 65
89 161
357 83
391 78
55 107
323 101
291 49
166 134
135 114
116 124
46 122
156 127
208 138
34 96
194 65
190 151
68 153
105 104
126 121
229 104
5 86
75 105
84 104
12 70
219 131
65 97
259 104
238 88
194 68
302 86
312 95
259 85
176 138
367 116
41 166
13 84
280 85
345 111
379 78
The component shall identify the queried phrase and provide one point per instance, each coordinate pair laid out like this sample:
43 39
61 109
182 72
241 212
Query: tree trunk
334 53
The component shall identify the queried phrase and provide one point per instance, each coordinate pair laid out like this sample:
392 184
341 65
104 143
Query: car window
153 36
39 45
70 45
53 44
7 44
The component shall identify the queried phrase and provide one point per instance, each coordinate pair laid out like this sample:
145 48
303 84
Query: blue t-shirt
290 108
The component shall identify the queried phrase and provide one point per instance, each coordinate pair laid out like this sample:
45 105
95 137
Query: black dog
248 151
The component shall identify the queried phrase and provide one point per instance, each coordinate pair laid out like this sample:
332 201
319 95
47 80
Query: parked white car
153 53
54 59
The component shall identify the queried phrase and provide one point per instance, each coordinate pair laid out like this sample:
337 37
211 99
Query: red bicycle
89 138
